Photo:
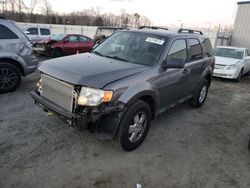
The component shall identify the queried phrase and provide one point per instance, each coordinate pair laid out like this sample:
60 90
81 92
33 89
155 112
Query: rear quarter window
6 33
208 51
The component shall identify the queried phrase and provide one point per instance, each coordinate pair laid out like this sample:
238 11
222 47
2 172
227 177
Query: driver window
178 51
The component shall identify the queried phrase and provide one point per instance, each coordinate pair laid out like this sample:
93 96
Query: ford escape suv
126 81
16 56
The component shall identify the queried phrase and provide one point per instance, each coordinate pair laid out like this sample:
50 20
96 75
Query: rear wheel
10 77
134 126
200 94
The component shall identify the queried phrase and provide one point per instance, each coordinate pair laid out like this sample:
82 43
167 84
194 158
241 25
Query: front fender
138 91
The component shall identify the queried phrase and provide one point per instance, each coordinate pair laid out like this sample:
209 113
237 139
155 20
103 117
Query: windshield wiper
98 53
117 58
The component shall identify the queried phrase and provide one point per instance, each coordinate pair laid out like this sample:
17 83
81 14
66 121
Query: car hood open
225 61
89 69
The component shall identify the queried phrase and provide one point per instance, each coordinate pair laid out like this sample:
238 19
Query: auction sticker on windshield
155 41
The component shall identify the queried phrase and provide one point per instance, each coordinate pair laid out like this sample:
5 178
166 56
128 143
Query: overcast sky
161 12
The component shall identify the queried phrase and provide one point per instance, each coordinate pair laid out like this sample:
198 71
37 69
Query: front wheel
239 76
10 77
134 126
57 53
200 94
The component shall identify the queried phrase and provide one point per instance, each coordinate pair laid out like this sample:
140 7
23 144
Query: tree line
41 11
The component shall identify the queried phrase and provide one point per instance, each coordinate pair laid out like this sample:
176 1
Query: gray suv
16 56
126 81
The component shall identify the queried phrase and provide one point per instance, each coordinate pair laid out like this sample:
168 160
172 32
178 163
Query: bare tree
137 19
30 6
46 9
96 11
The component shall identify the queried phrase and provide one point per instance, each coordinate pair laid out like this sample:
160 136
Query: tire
239 76
10 77
200 94
131 132
57 53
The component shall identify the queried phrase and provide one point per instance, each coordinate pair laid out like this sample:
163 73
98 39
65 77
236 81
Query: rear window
6 33
208 51
195 50
45 31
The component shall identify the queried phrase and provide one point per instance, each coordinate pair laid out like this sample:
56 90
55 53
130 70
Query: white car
36 34
231 62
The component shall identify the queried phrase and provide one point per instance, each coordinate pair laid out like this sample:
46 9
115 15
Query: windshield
58 37
138 48
230 53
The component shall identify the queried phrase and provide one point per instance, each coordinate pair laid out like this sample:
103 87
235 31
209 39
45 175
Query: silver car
16 56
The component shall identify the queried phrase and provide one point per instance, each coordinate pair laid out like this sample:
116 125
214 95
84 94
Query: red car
64 44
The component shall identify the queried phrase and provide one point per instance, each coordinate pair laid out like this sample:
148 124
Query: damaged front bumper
84 117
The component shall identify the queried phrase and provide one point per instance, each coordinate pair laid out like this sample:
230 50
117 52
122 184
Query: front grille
217 66
57 92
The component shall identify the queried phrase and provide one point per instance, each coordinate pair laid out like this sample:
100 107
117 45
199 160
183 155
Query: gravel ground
185 147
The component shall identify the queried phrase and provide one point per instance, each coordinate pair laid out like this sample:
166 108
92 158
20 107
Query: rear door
9 41
44 33
196 63
71 45
85 44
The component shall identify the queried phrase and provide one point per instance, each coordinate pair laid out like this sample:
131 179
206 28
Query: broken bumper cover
74 118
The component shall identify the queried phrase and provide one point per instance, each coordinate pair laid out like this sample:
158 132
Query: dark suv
124 83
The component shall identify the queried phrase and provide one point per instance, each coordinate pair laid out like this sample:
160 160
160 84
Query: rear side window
83 39
6 33
44 31
178 51
32 31
208 51
195 50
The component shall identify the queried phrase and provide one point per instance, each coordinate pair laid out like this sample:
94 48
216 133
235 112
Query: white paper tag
155 41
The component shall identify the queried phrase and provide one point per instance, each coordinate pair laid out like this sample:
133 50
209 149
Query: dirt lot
185 147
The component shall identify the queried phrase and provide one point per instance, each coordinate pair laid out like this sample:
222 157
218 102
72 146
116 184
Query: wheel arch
13 62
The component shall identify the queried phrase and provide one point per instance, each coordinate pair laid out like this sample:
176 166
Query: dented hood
89 69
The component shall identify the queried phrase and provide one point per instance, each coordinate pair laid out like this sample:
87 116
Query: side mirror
174 63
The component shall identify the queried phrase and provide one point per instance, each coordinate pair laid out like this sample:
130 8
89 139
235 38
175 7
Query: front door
173 80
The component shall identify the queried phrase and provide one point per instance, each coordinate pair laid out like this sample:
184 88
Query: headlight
231 67
39 86
93 97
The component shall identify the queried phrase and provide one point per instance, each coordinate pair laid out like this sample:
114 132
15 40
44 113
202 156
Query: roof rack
190 31
152 27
